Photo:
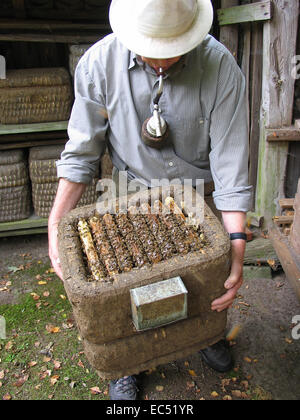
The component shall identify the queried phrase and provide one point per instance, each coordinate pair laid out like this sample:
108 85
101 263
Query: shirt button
171 164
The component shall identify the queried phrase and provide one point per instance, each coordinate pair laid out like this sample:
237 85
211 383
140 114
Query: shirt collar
135 60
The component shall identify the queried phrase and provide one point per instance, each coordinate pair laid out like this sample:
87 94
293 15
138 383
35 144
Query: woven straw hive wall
35 95
75 54
102 308
15 201
43 175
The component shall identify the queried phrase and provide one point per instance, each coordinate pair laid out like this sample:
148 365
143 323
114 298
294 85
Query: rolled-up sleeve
229 141
86 130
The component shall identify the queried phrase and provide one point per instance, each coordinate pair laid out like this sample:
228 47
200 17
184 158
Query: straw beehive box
35 96
44 181
15 200
100 291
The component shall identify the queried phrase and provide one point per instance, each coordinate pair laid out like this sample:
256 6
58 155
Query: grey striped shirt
203 103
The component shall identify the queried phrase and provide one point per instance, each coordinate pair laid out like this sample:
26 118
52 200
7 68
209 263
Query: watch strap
238 235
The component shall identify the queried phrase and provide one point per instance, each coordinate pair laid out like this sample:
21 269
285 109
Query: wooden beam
31 143
44 25
23 232
289 261
31 223
254 12
19 7
287 203
54 38
279 48
283 220
255 101
229 35
295 234
32 128
283 134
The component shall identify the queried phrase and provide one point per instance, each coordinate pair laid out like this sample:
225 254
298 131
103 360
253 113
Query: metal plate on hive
158 304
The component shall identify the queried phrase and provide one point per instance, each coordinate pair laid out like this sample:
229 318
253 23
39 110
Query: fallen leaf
31 364
192 372
227 398
54 379
247 359
57 364
35 296
14 269
236 393
80 364
52 330
46 294
159 388
214 394
21 381
9 345
63 297
95 390
6 397
245 384
67 326
42 283
289 341
2 374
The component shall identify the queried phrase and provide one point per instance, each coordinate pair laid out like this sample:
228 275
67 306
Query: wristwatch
238 235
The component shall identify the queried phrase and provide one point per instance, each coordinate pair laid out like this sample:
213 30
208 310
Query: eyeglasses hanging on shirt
155 129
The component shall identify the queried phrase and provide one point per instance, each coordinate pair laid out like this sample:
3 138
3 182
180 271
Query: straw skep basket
35 95
15 198
75 54
43 175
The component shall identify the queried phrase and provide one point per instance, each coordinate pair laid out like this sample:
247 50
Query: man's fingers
57 267
227 299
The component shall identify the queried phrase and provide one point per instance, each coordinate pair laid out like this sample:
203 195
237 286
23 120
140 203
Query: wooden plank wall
277 104
293 163
245 41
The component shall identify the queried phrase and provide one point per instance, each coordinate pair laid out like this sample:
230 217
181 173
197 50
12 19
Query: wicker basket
35 95
75 53
15 199
43 175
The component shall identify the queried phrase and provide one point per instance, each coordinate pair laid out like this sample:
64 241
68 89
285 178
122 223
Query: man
203 102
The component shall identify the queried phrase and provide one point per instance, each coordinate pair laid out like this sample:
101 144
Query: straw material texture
33 96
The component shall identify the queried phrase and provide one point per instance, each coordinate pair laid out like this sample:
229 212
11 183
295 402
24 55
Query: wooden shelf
289 259
283 134
32 225
32 128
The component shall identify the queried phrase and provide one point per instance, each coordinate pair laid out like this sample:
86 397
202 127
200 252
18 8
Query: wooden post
279 43
295 235
255 101
229 34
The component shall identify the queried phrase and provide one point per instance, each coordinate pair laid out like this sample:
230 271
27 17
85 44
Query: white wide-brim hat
161 28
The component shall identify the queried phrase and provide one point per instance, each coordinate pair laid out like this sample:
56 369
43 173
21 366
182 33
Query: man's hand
233 222
67 196
53 248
